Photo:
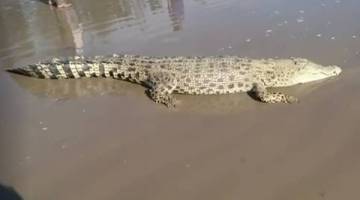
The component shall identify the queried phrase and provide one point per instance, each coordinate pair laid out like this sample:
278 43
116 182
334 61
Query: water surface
104 139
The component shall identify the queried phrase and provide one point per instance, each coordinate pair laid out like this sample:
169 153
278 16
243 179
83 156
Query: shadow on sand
8 193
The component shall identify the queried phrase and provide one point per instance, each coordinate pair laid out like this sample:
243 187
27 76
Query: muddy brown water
104 139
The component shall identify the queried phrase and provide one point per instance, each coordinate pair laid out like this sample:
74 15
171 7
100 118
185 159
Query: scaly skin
164 76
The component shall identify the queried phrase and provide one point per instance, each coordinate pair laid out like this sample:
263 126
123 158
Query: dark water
102 139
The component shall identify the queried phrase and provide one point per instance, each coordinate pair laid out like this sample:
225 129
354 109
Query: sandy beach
105 139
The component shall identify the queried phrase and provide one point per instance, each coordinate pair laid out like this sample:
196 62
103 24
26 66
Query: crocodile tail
61 69
22 71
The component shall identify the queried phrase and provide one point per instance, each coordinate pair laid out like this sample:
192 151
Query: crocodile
164 76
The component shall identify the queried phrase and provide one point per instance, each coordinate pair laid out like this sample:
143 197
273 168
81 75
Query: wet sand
104 139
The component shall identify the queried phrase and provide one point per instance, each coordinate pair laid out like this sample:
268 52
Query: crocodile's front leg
161 87
265 96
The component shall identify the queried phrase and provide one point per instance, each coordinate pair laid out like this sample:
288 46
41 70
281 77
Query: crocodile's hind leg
161 86
265 96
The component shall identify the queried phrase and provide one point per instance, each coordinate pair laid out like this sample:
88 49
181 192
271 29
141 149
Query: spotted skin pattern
164 76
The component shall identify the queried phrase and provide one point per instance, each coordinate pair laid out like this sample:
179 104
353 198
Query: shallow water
104 139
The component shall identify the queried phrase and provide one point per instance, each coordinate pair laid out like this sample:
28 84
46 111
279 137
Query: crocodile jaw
314 72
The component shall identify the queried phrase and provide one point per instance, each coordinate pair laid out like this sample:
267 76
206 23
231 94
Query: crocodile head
303 71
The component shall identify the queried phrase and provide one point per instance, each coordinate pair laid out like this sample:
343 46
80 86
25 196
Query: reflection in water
41 29
153 16
70 89
176 12
59 3
15 38
218 3
36 31
69 20
155 5
75 88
